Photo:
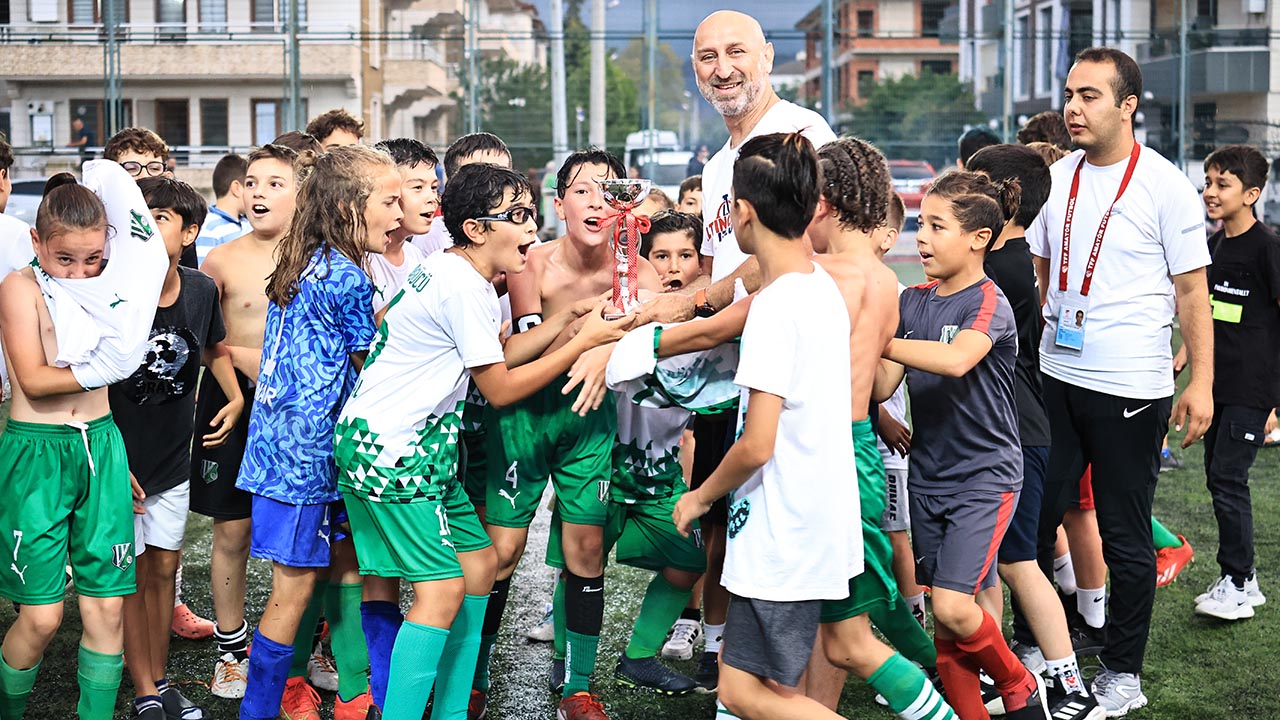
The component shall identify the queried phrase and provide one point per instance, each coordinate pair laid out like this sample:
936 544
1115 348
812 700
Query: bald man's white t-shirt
718 240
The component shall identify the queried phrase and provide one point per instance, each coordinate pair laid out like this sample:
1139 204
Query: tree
916 117
510 95
670 86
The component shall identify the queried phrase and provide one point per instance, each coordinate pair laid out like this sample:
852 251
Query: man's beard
733 107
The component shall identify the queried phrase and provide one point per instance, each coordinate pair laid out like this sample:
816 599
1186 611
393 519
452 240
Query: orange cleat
581 706
1171 561
300 701
356 708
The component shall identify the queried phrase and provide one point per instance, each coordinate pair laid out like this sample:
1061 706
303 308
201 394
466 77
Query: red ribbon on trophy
627 227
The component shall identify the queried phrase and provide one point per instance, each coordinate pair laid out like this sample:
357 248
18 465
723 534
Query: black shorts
770 639
214 471
1019 544
712 438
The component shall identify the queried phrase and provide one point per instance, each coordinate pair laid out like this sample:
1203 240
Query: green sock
414 661
908 691
350 653
558 620
481 680
662 605
902 631
461 650
15 687
304 640
580 660
1162 536
99 676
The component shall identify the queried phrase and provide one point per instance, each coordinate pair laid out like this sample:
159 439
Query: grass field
1196 668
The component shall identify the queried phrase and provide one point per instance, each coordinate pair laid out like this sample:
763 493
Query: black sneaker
708 674
1087 641
650 674
555 679
178 707
1035 707
991 697
1070 706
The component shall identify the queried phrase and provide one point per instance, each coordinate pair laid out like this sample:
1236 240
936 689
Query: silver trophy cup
623 195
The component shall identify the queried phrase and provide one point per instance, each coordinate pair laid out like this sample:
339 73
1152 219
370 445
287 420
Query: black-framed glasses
153 168
517 215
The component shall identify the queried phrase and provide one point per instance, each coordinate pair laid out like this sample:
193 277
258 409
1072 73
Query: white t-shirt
1156 231
718 240
405 412
388 278
896 406
436 239
790 531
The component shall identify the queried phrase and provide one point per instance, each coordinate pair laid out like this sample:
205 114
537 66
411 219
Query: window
1081 29
173 121
43 10
271 15
213 122
1044 42
213 16
1022 60
91 12
1206 14
4 12
266 120
866 23
866 83
937 67
931 14
171 16
94 115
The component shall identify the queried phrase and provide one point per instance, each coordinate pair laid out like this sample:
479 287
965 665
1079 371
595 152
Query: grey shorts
770 639
897 507
956 537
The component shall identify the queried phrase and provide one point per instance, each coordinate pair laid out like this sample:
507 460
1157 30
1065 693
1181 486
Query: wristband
657 340
701 306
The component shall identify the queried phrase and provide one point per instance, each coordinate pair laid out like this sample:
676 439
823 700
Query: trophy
624 195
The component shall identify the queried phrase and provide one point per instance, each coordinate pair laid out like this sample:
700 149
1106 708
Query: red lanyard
1102 227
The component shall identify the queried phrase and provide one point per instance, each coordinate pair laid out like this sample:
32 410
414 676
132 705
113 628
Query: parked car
24 201
911 178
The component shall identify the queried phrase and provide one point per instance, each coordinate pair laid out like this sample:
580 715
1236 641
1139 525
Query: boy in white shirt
419 198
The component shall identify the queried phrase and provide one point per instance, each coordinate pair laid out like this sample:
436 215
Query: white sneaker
321 672
230 677
684 635
1117 693
545 630
1251 590
1226 602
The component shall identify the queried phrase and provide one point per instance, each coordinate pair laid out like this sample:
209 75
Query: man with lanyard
732 62
1106 352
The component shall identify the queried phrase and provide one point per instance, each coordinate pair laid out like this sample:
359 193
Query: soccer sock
235 642
304 642
143 703
99 676
988 648
15 686
662 605
1163 538
713 637
489 632
691 613
453 684
959 675
1067 670
904 633
584 614
350 653
558 640
414 662
908 692
916 604
381 621
1064 573
1092 605
268 672
177 585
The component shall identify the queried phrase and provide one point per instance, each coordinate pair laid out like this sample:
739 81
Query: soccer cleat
991 697
300 701
1169 461
1086 640
1117 693
1027 702
1065 705
649 674
321 671
357 708
708 673
581 706
685 634
1251 590
1226 602
1030 656
178 707
1171 561
189 625
555 679
229 677
545 630
478 705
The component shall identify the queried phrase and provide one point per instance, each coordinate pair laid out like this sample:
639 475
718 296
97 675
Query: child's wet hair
591 156
475 191
68 206
672 221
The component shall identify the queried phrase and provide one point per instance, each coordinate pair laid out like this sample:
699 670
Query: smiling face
1095 119
944 245
71 254
675 258
732 62
169 225
419 197
583 208
270 196
1224 194
382 212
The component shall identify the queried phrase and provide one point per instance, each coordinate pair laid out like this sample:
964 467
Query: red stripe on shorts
1002 524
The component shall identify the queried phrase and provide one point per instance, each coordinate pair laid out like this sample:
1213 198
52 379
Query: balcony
1222 60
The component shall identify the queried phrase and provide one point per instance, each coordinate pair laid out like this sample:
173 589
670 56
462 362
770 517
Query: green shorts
543 438
69 501
875 585
417 541
482 451
644 535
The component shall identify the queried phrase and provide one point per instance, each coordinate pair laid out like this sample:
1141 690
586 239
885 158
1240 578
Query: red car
911 178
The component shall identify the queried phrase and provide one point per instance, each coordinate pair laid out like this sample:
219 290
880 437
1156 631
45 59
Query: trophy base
614 316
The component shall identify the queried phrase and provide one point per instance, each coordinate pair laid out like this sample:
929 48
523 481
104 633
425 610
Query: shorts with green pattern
481 451
68 501
544 438
645 537
875 586
417 541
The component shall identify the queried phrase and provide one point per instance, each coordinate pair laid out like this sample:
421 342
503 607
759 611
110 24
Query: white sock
1092 605
1064 573
1067 670
713 636
916 603
177 586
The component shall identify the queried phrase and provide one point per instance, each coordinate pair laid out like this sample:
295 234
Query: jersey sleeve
351 297
990 315
468 319
768 358
1182 233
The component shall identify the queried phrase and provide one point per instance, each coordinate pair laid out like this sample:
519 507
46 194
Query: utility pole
596 132
1184 89
559 105
473 76
828 49
111 61
1006 111
651 40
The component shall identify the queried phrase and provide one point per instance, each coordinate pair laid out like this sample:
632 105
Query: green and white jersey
397 437
646 456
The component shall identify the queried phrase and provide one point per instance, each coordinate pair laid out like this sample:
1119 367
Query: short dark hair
1021 163
476 191
689 184
469 144
778 175
299 142
409 152
1128 76
163 192
661 198
896 214
231 168
322 126
590 156
1243 161
6 153
1047 126
137 139
855 180
973 140
672 221
978 201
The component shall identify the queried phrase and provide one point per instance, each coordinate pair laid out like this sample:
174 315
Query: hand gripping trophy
624 195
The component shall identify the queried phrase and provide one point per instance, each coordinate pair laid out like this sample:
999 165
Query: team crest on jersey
209 471
738 513
602 491
122 555
720 225
948 333
696 534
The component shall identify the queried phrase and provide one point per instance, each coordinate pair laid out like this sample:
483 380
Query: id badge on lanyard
1073 306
